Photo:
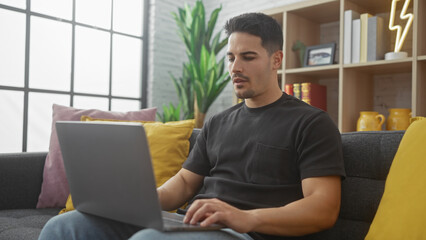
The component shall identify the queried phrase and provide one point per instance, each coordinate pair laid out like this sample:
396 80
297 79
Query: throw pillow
54 189
168 145
402 210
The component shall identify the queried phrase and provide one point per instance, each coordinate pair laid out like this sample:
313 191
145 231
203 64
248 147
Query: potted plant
203 76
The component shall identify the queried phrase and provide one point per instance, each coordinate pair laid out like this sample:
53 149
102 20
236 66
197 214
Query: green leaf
211 83
221 66
215 42
170 113
221 45
182 15
188 16
211 24
200 94
204 64
211 60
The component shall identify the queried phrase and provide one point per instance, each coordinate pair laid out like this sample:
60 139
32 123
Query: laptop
109 171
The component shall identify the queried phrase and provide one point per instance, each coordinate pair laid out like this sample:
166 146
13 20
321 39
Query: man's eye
248 58
230 59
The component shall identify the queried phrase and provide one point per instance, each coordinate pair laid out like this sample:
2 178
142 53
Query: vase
370 121
399 119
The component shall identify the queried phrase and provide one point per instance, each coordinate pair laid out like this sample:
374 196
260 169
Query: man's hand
209 211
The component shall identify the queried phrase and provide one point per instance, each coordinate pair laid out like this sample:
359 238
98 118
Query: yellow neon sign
400 37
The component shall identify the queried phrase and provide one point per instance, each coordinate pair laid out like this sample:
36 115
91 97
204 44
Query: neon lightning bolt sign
400 38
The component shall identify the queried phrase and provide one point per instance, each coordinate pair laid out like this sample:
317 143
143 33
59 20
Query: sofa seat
24 223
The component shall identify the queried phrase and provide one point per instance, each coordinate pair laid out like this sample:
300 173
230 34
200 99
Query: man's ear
277 59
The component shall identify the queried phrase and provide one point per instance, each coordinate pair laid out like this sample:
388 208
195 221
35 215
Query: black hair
258 24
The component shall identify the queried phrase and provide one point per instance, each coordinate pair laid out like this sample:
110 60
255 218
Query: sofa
367 156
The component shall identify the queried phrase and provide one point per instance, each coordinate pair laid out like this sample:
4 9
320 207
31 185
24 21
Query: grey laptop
109 171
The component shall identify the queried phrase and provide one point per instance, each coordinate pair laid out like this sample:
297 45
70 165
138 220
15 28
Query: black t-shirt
257 157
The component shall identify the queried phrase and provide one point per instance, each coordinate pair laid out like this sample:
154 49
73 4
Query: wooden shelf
421 58
374 86
319 12
373 7
319 71
383 66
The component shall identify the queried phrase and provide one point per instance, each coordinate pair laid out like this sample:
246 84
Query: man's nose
236 66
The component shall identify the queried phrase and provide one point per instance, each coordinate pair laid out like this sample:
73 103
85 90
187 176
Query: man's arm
318 210
179 189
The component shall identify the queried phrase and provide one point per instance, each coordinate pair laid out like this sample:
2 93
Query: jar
399 119
370 121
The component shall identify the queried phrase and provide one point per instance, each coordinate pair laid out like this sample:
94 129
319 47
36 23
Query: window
80 53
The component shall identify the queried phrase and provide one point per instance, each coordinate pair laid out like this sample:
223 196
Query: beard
249 93
245 94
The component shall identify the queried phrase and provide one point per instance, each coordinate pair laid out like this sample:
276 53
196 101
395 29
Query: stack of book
365 37
311 93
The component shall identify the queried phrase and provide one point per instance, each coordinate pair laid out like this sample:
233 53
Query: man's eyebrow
243 53
248 52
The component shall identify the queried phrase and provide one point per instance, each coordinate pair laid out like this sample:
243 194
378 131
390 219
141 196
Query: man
269 167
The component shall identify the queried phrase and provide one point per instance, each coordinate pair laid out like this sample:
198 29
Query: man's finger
192 210
213 218
205 209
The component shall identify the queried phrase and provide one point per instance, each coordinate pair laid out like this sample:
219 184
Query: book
350 15
356 40
315 95
296 90
377 39
364 32
288 88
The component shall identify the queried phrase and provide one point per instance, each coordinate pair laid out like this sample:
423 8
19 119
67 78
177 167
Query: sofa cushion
402 210
24 223
367 157
54 190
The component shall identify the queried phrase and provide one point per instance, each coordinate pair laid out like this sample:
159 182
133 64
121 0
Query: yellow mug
399 119
370 121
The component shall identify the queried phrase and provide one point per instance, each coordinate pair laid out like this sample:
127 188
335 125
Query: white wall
167 52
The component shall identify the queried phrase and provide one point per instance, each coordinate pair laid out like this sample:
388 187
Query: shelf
322 12
382 66
319 71
382 9
351 88
374 7
421 58
310 22
419 20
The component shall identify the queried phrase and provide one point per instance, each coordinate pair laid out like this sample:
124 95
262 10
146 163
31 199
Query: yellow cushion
402 210
69 206
168 144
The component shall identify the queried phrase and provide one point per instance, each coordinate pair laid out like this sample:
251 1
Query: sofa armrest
21 175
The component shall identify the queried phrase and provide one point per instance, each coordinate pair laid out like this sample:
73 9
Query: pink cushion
54 190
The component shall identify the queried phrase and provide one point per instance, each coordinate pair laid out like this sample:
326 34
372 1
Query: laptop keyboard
173 221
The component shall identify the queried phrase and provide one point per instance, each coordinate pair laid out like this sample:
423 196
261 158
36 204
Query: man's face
250 66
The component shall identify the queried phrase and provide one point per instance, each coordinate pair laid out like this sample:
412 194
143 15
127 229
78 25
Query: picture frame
319 55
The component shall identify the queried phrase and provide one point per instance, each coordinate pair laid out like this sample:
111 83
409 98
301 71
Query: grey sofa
367 156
